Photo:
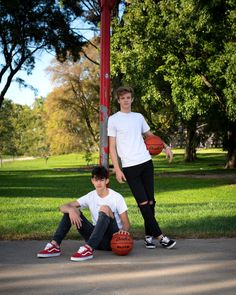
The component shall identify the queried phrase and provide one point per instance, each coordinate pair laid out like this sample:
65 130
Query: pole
106 7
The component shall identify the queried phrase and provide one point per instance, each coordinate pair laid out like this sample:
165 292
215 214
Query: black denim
97 237
140 179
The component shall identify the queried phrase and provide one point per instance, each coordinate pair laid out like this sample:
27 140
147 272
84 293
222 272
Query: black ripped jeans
141 182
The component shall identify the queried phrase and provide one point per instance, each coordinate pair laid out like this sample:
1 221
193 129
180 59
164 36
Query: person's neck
103 193
125 111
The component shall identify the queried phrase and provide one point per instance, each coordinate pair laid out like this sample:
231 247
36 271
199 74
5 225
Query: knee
143 204
152 203
107 210
147 203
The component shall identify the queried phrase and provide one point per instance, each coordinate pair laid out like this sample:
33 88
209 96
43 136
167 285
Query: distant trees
72 109
7 146
66 121
22 129
178 55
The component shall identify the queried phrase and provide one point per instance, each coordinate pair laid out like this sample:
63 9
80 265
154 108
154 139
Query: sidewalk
192 267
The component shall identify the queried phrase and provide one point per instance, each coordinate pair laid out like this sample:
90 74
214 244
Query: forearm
125 227
74 213
125 221
114 159
67 208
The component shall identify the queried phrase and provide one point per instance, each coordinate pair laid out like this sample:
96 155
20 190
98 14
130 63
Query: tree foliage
27 27
73 107
179 54
22 130
6 129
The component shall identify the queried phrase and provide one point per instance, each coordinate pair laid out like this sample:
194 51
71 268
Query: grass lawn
193 200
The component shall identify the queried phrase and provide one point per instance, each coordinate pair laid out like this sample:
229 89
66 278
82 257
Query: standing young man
109 216
126 130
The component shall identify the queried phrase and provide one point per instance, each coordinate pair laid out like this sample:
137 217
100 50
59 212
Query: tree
27 27
136 55
7 146
40 146
73 107
180 54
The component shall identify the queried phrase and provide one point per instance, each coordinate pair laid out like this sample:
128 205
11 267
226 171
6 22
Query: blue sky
39 80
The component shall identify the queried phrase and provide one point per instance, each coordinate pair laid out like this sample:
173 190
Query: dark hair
99 172
124 89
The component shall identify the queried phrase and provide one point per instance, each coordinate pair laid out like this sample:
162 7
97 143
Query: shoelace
48 246
165 239
149 240
82 249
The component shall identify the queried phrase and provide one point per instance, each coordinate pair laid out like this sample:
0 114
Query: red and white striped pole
106 7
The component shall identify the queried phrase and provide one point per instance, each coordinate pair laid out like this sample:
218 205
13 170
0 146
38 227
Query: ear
107 180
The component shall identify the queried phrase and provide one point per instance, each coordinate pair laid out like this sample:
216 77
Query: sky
39 80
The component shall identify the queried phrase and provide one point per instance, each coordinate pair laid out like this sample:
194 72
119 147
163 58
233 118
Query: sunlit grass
187 206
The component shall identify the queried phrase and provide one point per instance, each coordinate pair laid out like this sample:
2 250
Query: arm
74 214
168 150
125 221
114 158
125 224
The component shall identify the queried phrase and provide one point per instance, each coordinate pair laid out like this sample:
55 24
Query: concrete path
192 267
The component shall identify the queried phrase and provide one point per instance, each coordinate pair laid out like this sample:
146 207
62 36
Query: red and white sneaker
84 253
49 251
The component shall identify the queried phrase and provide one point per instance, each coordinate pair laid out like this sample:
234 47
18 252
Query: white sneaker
167 243
149 244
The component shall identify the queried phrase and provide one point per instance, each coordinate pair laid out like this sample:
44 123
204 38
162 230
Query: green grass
194 200
63 161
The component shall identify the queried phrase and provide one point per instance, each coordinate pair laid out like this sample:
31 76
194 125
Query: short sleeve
121 205
145 126
83 201
111 129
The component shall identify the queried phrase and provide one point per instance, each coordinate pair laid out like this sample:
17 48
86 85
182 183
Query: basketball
121 244
154 144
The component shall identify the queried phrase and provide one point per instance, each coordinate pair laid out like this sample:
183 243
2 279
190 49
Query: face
100 184
125 100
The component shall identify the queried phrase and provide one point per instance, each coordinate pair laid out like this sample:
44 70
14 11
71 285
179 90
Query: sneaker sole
150 247
48 255
81 259
171 246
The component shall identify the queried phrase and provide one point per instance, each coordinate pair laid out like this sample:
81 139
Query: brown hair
124 89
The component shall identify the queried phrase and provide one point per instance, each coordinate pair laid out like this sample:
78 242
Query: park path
206 267
18 159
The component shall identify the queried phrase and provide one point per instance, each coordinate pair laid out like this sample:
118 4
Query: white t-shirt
93 202
128 128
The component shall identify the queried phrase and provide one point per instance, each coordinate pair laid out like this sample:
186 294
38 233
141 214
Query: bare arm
168 150
74 214
125 221
114 158
125 224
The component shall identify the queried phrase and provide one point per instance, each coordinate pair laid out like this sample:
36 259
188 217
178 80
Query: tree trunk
191 141
231 146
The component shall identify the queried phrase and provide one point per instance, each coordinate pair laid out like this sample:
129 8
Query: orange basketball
121 244
154 144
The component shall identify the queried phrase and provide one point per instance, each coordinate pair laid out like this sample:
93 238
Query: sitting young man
109 216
